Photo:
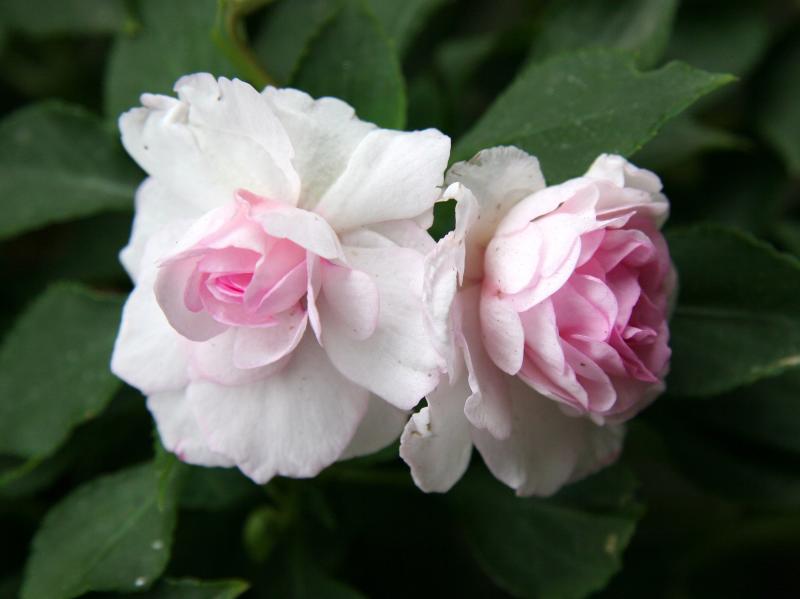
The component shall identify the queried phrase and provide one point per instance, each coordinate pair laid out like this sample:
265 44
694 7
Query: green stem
229 37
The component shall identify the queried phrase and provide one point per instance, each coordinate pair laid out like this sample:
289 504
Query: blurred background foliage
706 499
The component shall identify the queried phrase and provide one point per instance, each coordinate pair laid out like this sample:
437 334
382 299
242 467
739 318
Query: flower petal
260 346
436 442
352 297
324 133
179 431
156 207
148 353
294 423
546 449
391 175
503 336
398 362
380 427
499 178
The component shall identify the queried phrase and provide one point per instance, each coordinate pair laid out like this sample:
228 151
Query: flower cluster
291 310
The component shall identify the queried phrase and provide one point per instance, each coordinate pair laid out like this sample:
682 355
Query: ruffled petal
148 353
380 427
503 336
324 133
225 135
546 449
499 178
397 362
156 207
352 298
391 175
256 347
436 442
294 423
179 431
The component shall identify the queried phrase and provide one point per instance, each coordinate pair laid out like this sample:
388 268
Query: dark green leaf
215 488
703 36
684 138
175 39
562 547
402 19
54 369
287 30
571 108
738 315
352 59
731 468
642 26
192 588
767 412
57 162
779 116
48 17
108 535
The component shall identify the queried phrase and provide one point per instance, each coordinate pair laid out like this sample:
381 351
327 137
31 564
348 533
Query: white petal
623 174
398 362
353 299
324 134
499 178
213 361
546 449
381 426
488 407
219 137
304 228
148 353
436 442
155 208
293 423
179 431
444 271
392 175
259 346
503 336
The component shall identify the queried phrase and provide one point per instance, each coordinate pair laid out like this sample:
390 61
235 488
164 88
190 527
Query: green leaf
571 108
215 488
702 36
175 39
54 369
352 59
731 468
779 117
286 32
642 26
403 19
57 163
738 315
51 17
562 547
766 412
192 588
108 535
684 138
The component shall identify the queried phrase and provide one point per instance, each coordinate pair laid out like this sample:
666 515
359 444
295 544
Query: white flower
278 254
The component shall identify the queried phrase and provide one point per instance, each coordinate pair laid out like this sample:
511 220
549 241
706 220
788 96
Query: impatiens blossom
278 255
559 327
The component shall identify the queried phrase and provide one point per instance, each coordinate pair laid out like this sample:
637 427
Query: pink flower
561 321
278 256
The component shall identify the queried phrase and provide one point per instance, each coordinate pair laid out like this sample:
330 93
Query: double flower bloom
290 309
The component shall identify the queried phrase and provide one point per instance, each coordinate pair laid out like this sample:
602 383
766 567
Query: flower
560 321
278 257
